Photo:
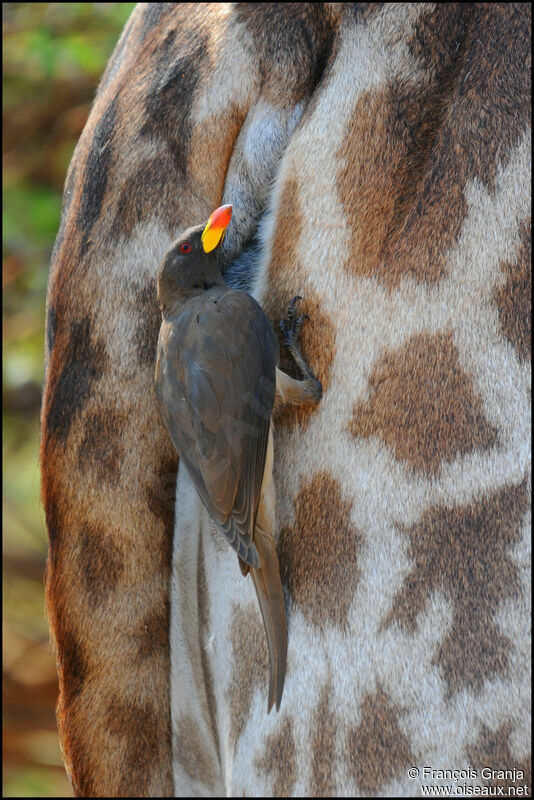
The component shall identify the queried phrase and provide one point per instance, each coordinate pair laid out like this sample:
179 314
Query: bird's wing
217 389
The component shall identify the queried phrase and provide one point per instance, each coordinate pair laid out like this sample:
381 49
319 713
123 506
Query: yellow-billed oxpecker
217 380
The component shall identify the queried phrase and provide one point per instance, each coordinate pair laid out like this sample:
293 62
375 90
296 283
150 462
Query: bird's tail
271 599
267 581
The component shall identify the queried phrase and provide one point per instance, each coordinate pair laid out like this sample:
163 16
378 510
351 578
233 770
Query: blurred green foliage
53 56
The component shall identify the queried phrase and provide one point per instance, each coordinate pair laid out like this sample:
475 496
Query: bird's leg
288 390
290 327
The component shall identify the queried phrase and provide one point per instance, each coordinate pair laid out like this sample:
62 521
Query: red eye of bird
185 247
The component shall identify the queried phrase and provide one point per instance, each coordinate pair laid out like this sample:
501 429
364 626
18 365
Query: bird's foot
290 327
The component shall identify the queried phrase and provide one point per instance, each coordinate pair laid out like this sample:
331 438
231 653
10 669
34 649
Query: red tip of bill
215 227
221 216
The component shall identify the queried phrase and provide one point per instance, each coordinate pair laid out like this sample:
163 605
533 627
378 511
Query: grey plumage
216 383
216 387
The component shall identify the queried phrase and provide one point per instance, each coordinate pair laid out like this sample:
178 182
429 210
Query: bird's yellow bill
215 228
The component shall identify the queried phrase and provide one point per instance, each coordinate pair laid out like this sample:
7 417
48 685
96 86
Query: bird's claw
291 306
291 325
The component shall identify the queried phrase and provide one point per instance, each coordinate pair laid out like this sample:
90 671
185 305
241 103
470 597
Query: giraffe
377 157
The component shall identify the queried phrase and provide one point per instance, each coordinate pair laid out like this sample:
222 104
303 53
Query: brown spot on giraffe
181 62
148 324
97 167
279 760
424 406
138 742
83 362
464 552
513 300
250 668
101 563
377 750
191 752
388 148
382 155
147 193
318 335
401 183
325 732
320 551
492 751
293 57
493 89
56 509
160 494
101 448
287 232
73 671
74 665
214 140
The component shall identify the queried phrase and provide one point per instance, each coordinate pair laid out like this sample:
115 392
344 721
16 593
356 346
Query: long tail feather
270 597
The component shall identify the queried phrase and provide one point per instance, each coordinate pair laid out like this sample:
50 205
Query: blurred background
53 56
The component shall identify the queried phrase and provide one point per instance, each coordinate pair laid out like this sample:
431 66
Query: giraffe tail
271 599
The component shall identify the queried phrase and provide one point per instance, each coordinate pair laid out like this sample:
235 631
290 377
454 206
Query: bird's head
190 265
